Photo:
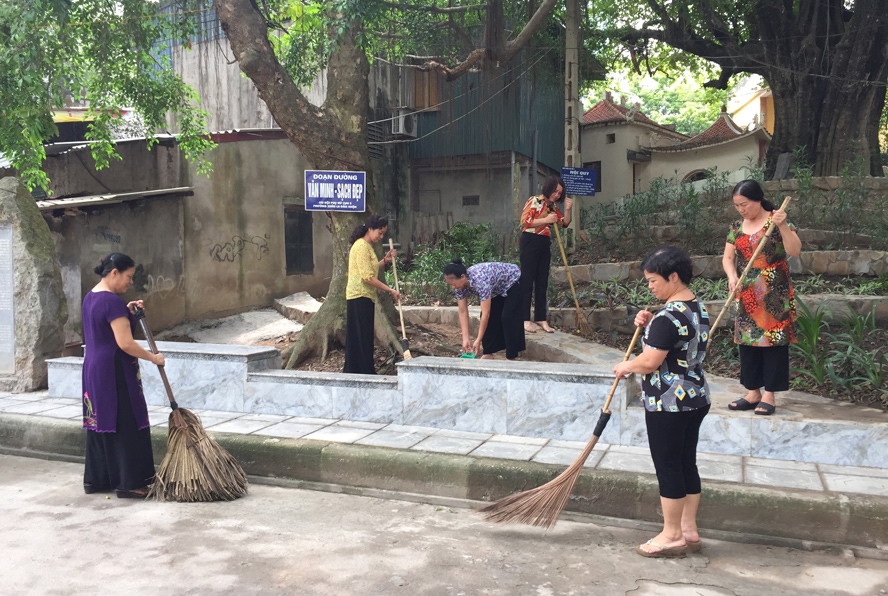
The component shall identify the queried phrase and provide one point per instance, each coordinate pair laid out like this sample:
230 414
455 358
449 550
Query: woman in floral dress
763 328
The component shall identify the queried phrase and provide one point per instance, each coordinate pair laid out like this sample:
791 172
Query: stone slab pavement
741 470
58 541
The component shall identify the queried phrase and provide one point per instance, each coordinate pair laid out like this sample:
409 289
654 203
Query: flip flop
742 404
694 546
139 493
768 409
664 552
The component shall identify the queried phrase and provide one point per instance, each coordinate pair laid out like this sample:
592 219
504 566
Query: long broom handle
152 346
746 269
610 396
397 289
566 267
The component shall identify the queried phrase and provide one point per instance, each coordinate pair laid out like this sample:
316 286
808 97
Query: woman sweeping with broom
118 440
675 396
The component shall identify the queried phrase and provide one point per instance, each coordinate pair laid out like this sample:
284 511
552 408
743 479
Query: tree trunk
332 137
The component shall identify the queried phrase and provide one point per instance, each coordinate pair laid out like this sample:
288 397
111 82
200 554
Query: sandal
742 404
694 546
139 493
767 409
663 552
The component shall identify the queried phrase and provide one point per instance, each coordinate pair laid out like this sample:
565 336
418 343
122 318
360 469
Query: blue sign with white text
330 190
578 181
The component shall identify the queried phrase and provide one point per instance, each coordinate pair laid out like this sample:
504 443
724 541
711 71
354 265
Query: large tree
826 62
106 52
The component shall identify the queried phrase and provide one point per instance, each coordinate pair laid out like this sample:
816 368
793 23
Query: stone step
297 307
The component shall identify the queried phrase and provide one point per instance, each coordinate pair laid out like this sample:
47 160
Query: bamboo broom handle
566 267
610 396
149 337
397 289
746 269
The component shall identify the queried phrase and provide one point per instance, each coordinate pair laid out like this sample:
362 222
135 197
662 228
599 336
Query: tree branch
451 74
535 23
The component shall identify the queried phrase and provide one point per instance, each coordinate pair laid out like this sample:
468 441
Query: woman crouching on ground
498 288
675 395
360 294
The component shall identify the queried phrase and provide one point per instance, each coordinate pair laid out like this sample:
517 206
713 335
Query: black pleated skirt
359 338
122 460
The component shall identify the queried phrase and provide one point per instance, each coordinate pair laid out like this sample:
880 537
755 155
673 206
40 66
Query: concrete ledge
833 518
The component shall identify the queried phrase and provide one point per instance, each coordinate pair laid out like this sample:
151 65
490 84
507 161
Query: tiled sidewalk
726 468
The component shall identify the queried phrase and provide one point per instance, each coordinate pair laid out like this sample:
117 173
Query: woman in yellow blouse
360 294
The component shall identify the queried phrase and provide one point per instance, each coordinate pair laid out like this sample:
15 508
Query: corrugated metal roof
110 199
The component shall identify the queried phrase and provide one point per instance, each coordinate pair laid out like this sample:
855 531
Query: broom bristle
196 468
540 506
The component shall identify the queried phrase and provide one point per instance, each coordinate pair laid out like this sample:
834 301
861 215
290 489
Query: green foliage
98 51
810 345
473 244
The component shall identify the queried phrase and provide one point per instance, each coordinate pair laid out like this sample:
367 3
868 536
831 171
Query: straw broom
543 505
582 323
405 345
195 468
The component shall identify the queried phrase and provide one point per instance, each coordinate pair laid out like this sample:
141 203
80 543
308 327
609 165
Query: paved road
55 540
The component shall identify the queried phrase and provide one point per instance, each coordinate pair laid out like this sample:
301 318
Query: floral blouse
536 208
766 310
487 280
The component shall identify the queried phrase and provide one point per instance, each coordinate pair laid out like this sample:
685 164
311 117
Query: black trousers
535 255
359 314
672 438
122 460
764 367
505 327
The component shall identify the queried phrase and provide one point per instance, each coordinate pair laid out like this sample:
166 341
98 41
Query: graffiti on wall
104 235
148 284
238 245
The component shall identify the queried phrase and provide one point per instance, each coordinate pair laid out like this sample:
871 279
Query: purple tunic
99 389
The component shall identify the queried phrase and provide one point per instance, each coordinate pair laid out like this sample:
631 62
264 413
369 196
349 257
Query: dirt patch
424 340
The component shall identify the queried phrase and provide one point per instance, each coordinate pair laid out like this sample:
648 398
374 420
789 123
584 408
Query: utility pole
572 114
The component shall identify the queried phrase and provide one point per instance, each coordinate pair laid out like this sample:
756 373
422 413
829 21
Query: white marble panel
65 381
849 443
370 402
547 408
730 435
467 403
632 428
309 401
207 384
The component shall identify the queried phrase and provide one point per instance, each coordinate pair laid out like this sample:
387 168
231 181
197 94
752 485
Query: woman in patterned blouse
763 327
675 396
535 252
498 288
360 294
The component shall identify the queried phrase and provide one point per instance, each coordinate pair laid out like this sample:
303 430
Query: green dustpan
470 355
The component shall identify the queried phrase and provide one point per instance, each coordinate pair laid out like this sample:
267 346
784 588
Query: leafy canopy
104 52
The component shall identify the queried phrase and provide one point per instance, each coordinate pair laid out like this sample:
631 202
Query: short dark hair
115 260
666 260
374 222
455 268
752 190
552 183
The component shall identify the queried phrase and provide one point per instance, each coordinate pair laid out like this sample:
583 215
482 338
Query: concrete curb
805 517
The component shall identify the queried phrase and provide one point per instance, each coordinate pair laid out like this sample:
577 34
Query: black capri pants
505 326
766 367
672 438
535 255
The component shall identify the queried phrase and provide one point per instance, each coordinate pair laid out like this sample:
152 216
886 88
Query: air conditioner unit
404 123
